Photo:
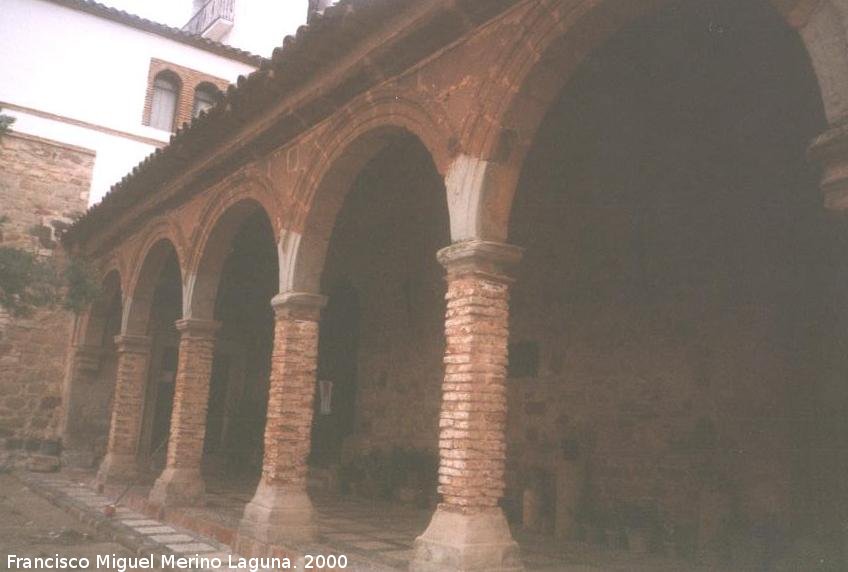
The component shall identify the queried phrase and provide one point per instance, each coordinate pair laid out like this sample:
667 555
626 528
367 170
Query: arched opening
238 397
206 96
381 336
163 102
93 379
155 307
671 319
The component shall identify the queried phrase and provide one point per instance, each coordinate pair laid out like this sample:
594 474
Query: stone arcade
621 197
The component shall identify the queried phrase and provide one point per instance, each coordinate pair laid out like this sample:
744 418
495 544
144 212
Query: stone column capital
493 260
298 305
130 343
195 328
829 151
831 143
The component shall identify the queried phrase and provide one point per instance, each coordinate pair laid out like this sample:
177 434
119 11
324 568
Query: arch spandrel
163 229
387 111
342 149
219 224
147 262
254 185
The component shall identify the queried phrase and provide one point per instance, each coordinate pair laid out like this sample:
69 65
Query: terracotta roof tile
332 35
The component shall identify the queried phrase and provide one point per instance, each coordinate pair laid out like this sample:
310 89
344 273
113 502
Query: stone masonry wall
40 181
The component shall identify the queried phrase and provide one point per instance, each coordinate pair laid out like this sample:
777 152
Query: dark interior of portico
381 337
238 394
165 310
673 321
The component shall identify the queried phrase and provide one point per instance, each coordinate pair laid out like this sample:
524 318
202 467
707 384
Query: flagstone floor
374 535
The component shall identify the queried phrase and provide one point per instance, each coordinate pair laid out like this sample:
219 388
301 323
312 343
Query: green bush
29 280
5 122
81 288
26 281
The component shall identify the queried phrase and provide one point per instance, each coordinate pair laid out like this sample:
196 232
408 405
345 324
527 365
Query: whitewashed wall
76 65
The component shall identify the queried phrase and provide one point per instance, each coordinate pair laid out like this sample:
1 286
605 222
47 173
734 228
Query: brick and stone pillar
468 530
281 509
120 462
181 483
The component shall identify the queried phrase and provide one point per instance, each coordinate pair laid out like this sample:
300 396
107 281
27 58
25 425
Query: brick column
281 509
181 483
468 530
120 462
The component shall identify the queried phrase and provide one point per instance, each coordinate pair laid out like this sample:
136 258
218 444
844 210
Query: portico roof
394 35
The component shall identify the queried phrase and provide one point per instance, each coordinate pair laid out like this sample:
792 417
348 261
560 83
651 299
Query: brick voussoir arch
90 329
226 208
556 37
383 112
353 137
258 188
114 263
143 270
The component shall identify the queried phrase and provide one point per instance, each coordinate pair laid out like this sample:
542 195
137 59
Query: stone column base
466 542
116 468
178 487
278 515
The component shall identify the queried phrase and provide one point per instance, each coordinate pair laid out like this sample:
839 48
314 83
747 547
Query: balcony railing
213 20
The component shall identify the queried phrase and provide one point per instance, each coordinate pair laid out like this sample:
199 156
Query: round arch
215 234
252 186
116 264
96 320
555 40
356 138
163 229
139 302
